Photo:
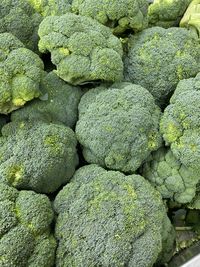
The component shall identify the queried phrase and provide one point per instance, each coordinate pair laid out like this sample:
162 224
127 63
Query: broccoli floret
108 219
167 13
20 19
58 103
119 15
21 71
82 49
25 238
118 127
159 58
195 203
170 177
38 156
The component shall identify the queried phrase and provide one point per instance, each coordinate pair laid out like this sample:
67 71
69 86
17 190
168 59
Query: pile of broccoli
99 133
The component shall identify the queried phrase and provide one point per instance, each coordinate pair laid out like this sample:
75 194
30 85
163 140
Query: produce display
99 133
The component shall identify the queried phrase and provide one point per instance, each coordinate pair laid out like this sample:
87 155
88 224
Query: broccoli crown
159 58
38 156
170 177
58 103
20 74
118 127
191 18
25 238
117 14
165 13
181 121
20 19
108 219
82 49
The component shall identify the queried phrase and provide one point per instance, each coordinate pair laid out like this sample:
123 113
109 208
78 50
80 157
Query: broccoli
159 58
82 49
21 71
118 127
37 156
170 177
119 15
108 219
20 19
58 103
166 13
25 237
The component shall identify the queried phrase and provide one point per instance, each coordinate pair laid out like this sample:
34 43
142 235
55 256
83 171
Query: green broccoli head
58 103
38 156
20 19
108 219
118 127
119 15
167 13
21 71
82 49
159 58
170 177
25 238
181 121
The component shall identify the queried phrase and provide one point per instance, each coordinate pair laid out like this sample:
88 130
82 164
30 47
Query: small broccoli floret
170 177
82 49
21 71
59 103
25 238
38 156
159 58
167 13
195 203
118 127
108 219
119 15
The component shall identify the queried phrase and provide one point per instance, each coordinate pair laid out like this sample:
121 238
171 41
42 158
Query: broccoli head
25 237
58 103
82 49
108 219
119 15
21 71
38 156
118 127
170 177
159 58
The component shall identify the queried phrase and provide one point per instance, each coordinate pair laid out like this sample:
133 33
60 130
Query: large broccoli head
170 177
108 219
58 103
25 238
119 15
159 58
21 71
118 127
40 157
18 18
82 49
180 124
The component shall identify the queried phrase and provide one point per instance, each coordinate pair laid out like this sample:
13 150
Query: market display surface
99 133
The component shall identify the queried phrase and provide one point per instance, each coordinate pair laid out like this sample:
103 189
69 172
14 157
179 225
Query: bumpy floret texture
117 14
159 58
59 103
171 178
108 219
25 238
21 71
167 13
18 18
118 127
82 49
38 156
181 121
